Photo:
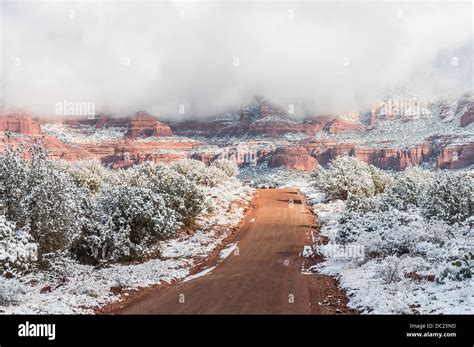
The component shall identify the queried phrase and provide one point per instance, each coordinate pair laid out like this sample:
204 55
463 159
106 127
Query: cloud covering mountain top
213 57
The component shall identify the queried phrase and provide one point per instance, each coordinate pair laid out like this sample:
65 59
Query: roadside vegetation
411 227
85 211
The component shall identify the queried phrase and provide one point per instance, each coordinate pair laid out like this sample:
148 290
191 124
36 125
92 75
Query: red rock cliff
385 158
20 123
456 156
296 158
468 117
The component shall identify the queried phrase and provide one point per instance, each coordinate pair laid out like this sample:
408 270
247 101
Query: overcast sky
321 57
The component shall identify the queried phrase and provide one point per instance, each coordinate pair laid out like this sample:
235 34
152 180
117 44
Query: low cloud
210 57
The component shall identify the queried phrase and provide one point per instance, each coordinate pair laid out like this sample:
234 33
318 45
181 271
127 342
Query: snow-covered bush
150 203
190 168
435 226
8 295
381 179
348 175
90 174
53 212
13 178
180 193
389 271
409 188
18 251
393 232
229 167
406 247
403 191
38 197
450 197
360 203
128 221
213 177
198 172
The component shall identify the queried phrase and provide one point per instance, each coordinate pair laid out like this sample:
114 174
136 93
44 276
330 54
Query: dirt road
263 275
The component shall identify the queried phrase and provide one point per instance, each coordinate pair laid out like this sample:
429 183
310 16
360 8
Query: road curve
263 277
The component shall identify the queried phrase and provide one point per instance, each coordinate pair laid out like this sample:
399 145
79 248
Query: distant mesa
142 124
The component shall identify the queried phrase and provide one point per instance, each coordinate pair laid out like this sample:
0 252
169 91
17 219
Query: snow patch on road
227 251
199 274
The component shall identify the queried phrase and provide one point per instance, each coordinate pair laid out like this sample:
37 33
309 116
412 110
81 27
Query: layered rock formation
20 123
384 158
125 156
295 158
117 153
276 127
143 124
349 122
323 151
456 156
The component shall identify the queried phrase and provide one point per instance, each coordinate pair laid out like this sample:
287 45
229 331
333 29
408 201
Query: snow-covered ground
83 134
378 286
402 134
71 287
276 118
165 139
440 118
